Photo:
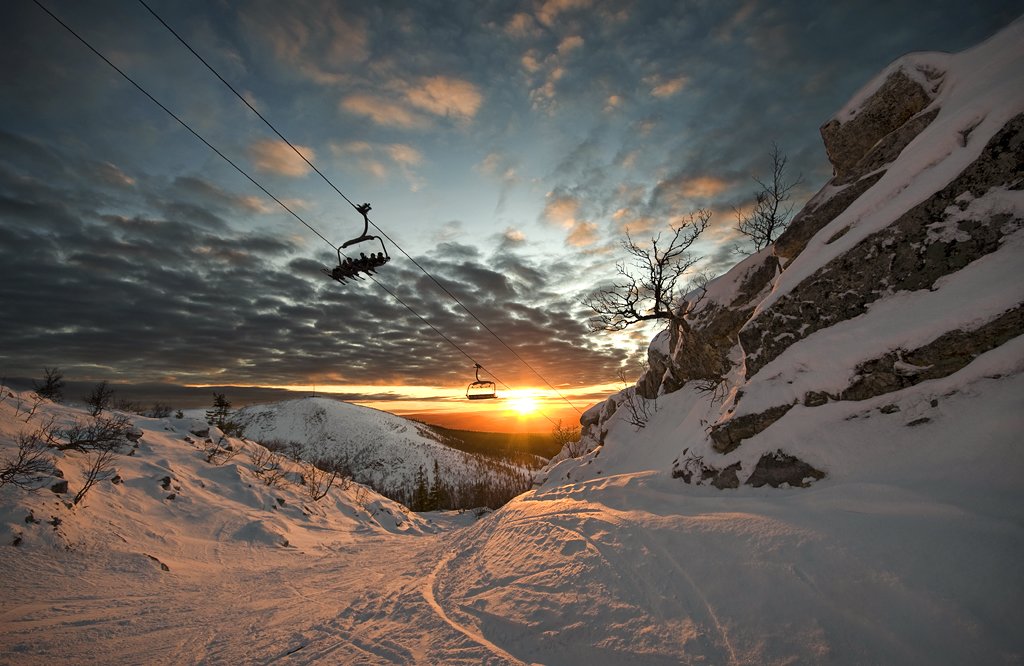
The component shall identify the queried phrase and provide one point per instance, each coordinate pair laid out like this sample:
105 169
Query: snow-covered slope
383 451
165 495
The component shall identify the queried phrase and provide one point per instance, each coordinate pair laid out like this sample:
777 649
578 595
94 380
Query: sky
506 146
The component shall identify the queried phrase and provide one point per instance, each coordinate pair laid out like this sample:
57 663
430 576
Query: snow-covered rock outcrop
902 270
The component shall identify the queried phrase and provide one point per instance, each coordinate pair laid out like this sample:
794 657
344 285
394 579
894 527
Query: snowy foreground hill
829 469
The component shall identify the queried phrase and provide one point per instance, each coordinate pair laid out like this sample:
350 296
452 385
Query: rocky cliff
902 270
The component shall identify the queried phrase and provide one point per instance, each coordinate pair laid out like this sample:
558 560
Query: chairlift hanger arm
364 209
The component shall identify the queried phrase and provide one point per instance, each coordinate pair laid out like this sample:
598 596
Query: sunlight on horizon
517 410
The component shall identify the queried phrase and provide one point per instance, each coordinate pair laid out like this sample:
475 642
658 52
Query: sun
523 404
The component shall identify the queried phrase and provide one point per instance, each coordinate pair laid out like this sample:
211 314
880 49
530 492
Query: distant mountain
391 454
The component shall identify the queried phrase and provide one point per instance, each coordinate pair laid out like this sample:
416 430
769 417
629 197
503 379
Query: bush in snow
102 433
266 465
99 399
320 477
30 465
52 387
101 466
568 438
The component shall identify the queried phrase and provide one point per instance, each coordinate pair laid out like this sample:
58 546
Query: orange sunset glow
534 409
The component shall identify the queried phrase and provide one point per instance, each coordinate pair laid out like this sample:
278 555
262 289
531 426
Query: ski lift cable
263 189
180 121
327 180
246 102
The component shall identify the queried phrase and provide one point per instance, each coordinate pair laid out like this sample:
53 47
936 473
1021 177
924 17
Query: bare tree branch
771 213
646 287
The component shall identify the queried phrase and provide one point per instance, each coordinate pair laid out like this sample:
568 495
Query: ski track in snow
472 634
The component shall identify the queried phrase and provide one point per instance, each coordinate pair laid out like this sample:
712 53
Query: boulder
847 143
778 468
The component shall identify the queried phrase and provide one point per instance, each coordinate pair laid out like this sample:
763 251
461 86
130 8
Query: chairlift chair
480 389
351 268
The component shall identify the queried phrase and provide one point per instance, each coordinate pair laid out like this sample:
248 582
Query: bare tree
52 387
99 399
568 438
646 288
771 212
101 466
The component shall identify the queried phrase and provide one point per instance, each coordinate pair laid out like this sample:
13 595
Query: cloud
569 43
157 296
438 96
670 87
382 111
113 175
404 154
550 10
724 33
446 97
521 25
322 49
380 160
275 156
561 210
582 234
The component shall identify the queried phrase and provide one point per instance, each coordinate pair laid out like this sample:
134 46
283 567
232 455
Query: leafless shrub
101 433
159 410
294 450
568 438
714 387
101 466
100 398
321 476
218 454
291 449
37 400
52 387
126 405
31 464
638 408
266 465
362 496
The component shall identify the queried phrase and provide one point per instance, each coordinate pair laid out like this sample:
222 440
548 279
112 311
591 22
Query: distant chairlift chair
480 389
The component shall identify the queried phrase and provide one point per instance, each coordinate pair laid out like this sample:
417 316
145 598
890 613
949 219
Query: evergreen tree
435 496
218 416
421 492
